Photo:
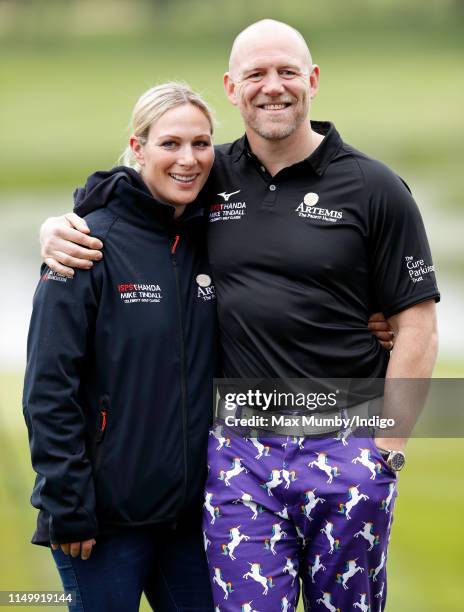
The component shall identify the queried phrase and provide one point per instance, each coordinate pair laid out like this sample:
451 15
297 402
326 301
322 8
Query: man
306 235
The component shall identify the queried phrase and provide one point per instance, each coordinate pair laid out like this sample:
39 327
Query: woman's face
178 155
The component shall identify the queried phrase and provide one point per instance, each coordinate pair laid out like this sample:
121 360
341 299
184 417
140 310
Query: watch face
397 461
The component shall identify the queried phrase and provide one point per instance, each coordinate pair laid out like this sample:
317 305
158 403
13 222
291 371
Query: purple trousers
279 509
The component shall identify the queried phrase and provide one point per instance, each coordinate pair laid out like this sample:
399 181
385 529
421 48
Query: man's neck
276 155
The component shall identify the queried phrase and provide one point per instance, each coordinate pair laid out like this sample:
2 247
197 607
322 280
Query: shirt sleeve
401 268
61 327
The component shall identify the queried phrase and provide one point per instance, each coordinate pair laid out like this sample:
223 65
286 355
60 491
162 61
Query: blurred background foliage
391 80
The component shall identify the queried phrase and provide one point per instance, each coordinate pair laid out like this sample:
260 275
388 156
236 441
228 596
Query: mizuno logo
226 196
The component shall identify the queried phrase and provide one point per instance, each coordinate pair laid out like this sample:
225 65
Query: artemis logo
226 195
311 199
206 290
308 210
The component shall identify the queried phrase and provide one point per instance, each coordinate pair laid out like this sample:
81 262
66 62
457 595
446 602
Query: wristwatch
394 459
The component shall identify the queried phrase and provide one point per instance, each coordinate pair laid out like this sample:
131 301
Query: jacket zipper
183 366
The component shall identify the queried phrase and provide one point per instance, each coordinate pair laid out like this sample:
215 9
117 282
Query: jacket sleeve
60 332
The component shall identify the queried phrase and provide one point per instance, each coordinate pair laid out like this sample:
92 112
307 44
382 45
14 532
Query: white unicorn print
321 463
311 503
290 569
385 505
342 435
376 570
288 476
379 595
255 573
283 513
206 542
326 600
351 569
247 501
261 448
225 586
274 481
247 607
235 538
361 604
277 535
368 534
327 531
316 566
354 497
284 604
365 460
213 510
237 468
301 536
217 433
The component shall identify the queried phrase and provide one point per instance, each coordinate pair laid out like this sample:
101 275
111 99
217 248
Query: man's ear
314 80
229 87
137 149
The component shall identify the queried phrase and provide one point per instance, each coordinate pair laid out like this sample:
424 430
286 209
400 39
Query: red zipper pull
103 424
176 242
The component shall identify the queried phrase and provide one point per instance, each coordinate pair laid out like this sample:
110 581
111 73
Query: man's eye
255 76
287 73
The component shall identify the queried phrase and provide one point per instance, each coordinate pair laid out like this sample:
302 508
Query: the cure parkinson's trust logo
205 290
308 210
140 293
417 268
226 210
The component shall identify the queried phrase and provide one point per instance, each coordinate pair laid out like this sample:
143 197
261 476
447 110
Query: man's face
272 83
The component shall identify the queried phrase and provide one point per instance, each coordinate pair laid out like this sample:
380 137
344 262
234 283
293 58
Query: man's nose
273 85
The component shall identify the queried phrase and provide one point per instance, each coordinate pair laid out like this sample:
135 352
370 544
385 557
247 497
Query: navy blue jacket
118 386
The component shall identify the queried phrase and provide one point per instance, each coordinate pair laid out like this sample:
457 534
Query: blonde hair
152 105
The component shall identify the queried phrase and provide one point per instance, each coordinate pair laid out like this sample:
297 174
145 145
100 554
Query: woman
117 395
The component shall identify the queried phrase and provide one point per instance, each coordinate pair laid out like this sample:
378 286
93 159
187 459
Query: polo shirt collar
318 160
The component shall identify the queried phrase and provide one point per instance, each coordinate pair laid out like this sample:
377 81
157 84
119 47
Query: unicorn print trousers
282 508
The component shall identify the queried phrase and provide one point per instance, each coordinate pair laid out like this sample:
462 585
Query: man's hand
382 330
60 238
83 548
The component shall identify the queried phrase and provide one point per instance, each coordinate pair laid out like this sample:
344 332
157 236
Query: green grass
425 558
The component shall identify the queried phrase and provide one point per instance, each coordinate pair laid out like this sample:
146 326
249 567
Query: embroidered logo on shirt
54 276
226 195
417 268
136 293
307 209
227 211
206 291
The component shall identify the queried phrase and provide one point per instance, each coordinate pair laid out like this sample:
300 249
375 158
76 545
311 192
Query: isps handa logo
140 293
308 210
205 288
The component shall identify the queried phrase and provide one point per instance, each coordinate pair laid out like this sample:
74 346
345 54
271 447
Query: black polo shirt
301 259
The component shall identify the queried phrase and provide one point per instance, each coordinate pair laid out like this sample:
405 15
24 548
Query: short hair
153 104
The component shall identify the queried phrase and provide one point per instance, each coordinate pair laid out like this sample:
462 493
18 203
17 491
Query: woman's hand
65 244
382 330
83 548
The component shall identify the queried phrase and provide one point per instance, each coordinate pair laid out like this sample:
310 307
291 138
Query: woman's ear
137 149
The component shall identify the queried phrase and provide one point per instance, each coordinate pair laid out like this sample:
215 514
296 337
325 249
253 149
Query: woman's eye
168 144
202 144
